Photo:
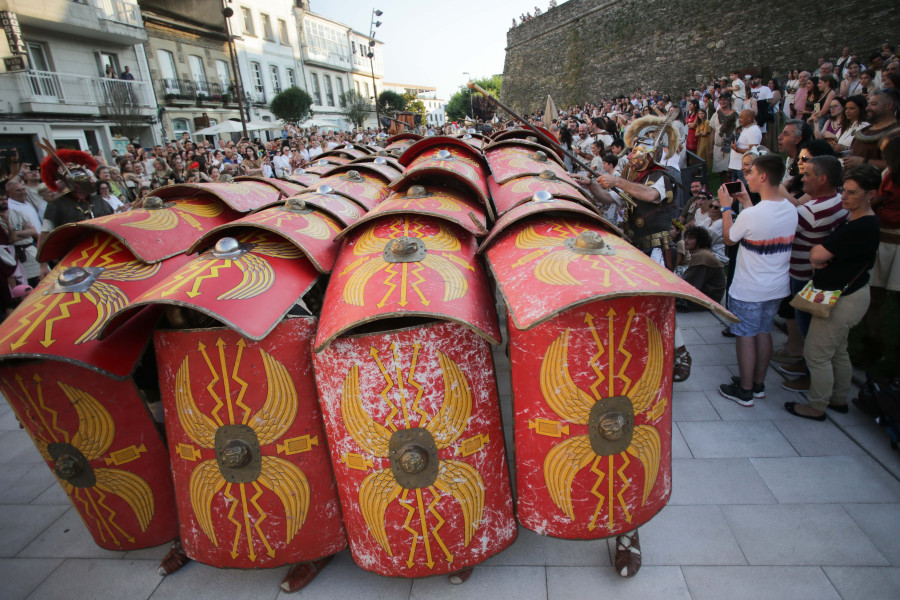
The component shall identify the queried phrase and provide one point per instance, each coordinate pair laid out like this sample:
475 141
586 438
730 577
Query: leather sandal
628 554
173 560
301 575
461 576
681 364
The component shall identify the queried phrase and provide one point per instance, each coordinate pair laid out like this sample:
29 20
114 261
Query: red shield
97 436
442 279
521 189
65 314
366 189
593 424
510 161
252 473
444 203
243 197
344 211
305 179
231 284
324 163
386 165
150 234
423 397
542 270
289 188
442 157
312 231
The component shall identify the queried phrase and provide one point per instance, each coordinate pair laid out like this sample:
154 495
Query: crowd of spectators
527 16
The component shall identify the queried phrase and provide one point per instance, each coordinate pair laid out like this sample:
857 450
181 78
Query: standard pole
541 135
238 87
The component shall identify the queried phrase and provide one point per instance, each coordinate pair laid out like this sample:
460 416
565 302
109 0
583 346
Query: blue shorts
756 317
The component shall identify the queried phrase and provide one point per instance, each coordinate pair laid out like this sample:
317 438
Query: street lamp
373 25
471 108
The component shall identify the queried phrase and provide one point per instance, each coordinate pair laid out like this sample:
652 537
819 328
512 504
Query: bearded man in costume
646 189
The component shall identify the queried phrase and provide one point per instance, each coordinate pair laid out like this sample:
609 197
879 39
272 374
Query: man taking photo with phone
765 233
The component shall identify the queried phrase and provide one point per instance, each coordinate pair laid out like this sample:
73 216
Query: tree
124 110
293 106
390 102
355 107
460 106
414 105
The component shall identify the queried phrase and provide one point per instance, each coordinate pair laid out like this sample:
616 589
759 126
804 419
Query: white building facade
54 79
435 108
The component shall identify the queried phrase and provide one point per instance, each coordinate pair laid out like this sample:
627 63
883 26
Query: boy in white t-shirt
765 233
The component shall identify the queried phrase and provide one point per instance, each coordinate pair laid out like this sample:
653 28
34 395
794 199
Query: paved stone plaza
764 506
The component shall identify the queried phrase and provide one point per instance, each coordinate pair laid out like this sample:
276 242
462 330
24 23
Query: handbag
819 303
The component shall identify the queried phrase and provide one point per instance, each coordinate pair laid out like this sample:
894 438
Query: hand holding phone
733 187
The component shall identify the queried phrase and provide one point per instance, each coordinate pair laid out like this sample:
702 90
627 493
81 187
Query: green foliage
293 106
414 105
391 102
355 107
459 105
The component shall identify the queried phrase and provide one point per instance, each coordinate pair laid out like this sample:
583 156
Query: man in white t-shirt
765 233
750 137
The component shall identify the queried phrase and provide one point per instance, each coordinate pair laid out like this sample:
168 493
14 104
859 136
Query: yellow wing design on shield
368 243
280 408
529 238
443 240
292 488
647 388
259 276
201 209
356 283
316 227
553 269
131 271
561 465
464 483
163 219
131 488
206 481
96 429
107 299
200 428
645 446
451 420
276 249
370 436
376 491
455 284
559 390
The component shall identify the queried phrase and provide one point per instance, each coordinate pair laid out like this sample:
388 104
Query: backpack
880 398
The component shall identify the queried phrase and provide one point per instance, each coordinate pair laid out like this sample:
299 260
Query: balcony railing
63 88
192 90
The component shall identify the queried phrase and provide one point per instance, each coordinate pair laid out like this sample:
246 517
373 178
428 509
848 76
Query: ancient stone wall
587 49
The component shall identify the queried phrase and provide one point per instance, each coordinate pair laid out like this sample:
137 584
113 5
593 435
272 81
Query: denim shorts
756 317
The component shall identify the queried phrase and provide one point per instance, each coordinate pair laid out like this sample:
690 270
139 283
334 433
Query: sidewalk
764 505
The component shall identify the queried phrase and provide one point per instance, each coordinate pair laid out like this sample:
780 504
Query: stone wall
587 49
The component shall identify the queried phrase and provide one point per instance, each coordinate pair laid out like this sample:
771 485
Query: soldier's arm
638 191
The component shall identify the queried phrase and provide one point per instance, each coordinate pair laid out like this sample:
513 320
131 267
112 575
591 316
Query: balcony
62 93
323 57
113 21
190 91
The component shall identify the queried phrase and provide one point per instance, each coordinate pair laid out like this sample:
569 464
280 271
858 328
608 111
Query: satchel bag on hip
819 303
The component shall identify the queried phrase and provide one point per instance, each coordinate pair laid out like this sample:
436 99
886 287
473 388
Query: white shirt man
750 137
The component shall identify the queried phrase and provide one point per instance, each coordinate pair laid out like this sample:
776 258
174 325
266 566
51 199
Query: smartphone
733 187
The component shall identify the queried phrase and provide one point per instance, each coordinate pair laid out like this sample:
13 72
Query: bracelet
725 209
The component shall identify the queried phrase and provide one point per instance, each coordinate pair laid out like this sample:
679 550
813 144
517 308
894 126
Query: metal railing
63 88
196 89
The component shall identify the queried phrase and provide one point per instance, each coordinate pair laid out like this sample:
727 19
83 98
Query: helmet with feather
72 169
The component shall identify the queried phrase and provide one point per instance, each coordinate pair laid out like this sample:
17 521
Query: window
340 83
326 39
358 89
292 80
267 27
366 84
180 126
257 78
282 31
167 68
329 93
317 93
198 73
276 79
222 73
248 21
